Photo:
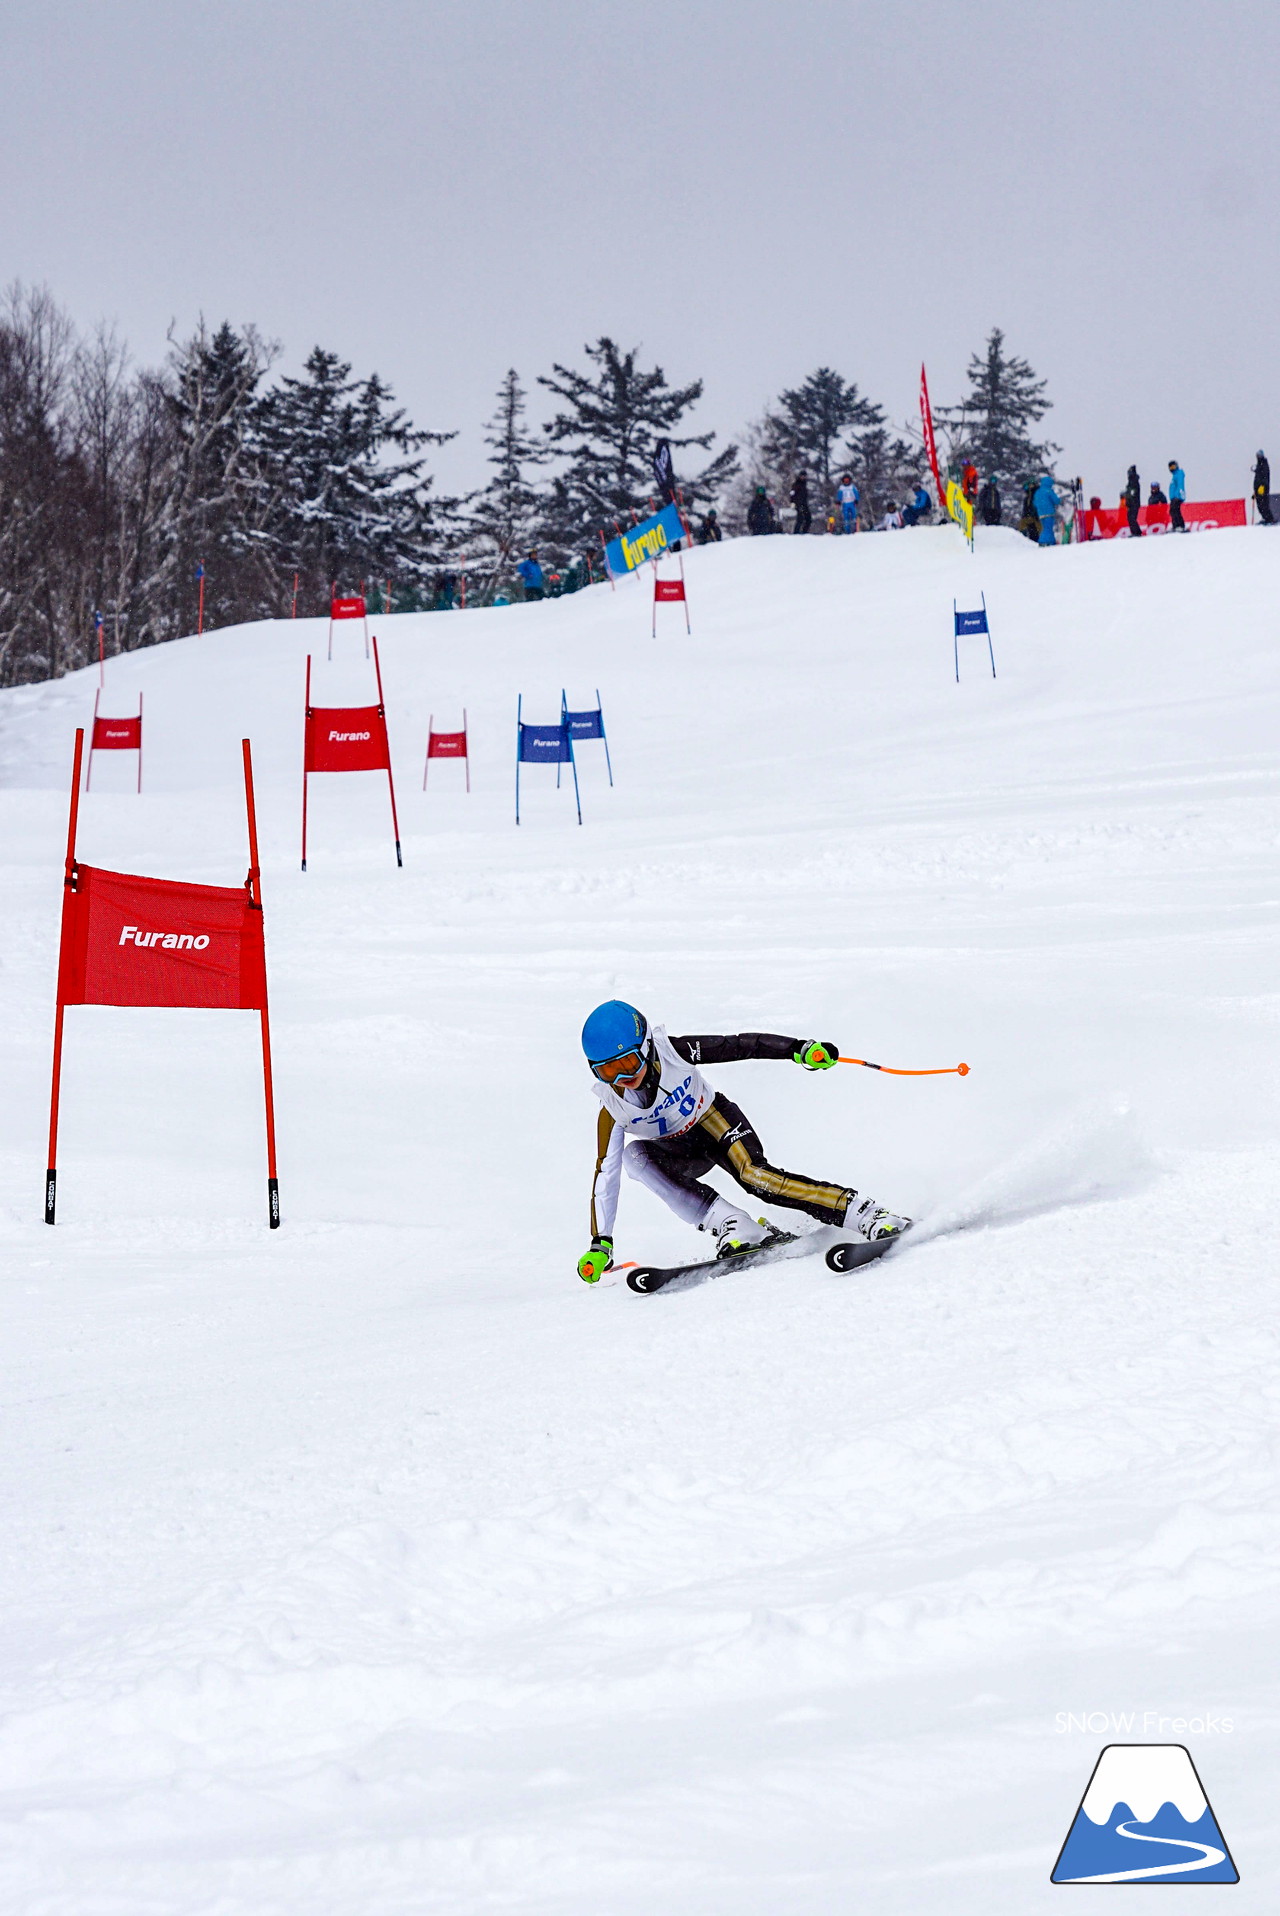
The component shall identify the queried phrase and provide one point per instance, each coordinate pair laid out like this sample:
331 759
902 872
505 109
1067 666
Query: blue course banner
649 540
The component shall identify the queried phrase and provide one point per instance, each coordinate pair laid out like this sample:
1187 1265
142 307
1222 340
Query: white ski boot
733 1230
872 1221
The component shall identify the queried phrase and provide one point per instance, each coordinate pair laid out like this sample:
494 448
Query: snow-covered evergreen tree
614 415
505 517
804 428
340 507
991 425
886 470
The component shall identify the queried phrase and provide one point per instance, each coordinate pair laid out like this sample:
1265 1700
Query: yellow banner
960 509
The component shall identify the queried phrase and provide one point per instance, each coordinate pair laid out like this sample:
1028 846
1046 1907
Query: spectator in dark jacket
709 533
1132 496
1029 522
989 502
1156 496
800 500
760 513
1262 489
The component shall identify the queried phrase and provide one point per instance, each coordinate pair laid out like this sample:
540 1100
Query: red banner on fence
1113 523
151 941
347 738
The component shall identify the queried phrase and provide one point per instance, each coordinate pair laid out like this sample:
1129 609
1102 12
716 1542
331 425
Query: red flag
930 443
353 608
151 941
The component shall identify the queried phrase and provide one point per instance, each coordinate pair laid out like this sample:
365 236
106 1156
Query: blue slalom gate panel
586 725
968 623
545 745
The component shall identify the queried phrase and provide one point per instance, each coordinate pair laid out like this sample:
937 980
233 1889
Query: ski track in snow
377 1564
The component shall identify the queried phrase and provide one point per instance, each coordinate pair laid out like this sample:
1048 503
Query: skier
847 497
1177 493
800 500
1046 505
989 502
969 482
1132 497
1262 489
663 1123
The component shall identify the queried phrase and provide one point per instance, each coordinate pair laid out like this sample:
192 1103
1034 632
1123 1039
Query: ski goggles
629 1065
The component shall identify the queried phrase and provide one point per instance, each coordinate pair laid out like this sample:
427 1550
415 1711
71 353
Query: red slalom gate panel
352 608
669 592
151 941
347 738
114 735
447 745
129 940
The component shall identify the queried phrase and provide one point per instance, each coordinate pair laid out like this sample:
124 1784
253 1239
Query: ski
839 1253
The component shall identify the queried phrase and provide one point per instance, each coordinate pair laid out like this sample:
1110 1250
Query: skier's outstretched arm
814 1053
604 1199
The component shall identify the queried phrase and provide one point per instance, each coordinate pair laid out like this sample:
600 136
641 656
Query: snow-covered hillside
377 1564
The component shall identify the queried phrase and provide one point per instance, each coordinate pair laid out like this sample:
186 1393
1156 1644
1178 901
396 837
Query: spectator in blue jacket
920 508
1177 493
1046 504
531 577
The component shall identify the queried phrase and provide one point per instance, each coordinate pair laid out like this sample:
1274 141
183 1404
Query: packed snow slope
378 1564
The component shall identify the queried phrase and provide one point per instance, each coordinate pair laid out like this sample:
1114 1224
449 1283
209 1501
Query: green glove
817 1054
594 1263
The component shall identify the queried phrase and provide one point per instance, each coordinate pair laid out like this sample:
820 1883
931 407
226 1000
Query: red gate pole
294 613
102 663
255 901
306 753
395 823
466 748
427 764
200 617
139 741
88 770
55 1088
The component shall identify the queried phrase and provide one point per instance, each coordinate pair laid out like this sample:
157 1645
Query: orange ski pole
938 1071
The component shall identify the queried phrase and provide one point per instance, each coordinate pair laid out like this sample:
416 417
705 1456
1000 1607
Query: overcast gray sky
746 190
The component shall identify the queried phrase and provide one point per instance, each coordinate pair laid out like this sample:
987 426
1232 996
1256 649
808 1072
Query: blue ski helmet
612 1029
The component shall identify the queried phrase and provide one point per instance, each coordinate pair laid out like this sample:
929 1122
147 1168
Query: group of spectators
1042 503
844 516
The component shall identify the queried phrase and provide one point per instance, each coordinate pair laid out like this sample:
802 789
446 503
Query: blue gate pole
564 720
573 761
987 622
955 637
604 735
519 739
